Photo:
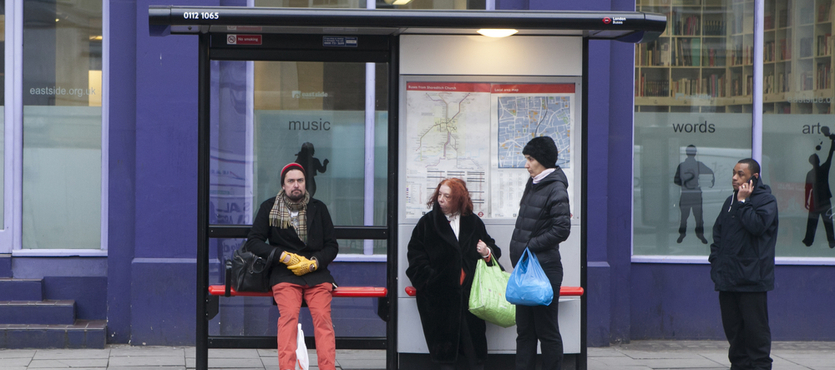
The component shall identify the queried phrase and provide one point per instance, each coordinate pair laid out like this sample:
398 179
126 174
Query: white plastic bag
302 361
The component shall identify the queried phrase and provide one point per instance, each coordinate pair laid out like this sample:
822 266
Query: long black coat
436 259
321 243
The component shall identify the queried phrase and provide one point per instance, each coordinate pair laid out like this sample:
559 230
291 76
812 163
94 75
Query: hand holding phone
746 189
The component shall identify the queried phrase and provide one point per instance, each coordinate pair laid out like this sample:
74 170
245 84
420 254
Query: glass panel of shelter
266 114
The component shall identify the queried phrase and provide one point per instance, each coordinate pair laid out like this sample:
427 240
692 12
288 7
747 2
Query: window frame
756 152
11 234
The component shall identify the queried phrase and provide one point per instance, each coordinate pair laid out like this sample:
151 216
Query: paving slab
147 368
127 361
17 353
152 351
231 363
71 354
69 363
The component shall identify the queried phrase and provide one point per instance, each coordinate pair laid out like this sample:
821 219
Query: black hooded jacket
744 240
544 221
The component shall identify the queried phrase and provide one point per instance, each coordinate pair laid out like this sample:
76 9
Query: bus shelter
440 99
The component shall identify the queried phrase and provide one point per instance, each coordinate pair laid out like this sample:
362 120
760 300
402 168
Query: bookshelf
703 62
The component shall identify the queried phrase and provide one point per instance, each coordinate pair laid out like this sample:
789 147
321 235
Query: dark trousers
540 323
745 320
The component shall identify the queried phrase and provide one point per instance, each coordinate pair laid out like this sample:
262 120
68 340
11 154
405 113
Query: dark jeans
745 319
540 323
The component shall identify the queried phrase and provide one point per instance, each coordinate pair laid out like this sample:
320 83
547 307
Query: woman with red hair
445 246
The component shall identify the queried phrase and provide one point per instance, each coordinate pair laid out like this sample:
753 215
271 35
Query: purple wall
163 269
152 206
122 170
671 301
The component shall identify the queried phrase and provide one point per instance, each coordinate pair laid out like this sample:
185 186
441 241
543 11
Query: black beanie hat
544 150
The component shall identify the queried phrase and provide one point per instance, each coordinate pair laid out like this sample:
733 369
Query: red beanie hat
288 167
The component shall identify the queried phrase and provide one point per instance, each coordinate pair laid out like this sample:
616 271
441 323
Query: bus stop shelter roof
604 25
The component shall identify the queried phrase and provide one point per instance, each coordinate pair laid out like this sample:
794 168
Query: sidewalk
637 355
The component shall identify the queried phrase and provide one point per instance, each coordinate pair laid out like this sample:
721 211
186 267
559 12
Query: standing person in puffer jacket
544 221
742 266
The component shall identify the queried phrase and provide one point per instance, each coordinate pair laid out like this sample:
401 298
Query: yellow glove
289 259
304 266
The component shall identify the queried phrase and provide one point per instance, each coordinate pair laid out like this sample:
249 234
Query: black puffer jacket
544 220
744 240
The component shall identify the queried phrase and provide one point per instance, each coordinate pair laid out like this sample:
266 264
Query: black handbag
250 273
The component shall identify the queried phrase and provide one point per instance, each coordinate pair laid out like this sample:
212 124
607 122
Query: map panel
523 116
476 132
447 135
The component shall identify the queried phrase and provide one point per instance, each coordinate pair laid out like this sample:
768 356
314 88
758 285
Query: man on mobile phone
742 266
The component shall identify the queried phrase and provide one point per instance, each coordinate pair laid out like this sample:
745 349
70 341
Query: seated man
301 230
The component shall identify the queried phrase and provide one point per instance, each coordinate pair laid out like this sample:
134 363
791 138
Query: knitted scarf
280 214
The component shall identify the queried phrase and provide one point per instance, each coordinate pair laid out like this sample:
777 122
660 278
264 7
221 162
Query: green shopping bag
487 297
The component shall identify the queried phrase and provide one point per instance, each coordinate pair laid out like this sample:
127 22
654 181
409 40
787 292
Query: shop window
797 123
62 124
693 114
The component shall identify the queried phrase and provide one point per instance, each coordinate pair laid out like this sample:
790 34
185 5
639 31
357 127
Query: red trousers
288 297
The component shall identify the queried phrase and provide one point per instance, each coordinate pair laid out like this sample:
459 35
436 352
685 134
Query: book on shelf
655 88
664 57
822 44
768 51
823 11
749 84
684 52
710 57
695 50
714 28
785 49
713 85
768 84
823 80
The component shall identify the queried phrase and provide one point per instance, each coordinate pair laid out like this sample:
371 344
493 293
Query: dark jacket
544 221
744 240
263 238
435 263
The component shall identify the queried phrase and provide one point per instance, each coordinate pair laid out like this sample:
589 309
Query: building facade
100 155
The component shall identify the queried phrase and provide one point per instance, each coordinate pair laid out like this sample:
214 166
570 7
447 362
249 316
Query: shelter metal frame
294 34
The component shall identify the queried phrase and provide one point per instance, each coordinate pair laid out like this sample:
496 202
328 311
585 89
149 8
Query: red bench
575 291
343 291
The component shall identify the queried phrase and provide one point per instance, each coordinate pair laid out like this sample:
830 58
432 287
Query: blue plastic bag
528 284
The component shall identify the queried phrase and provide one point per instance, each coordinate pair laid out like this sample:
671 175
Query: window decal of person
817 196
311 166
687 176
